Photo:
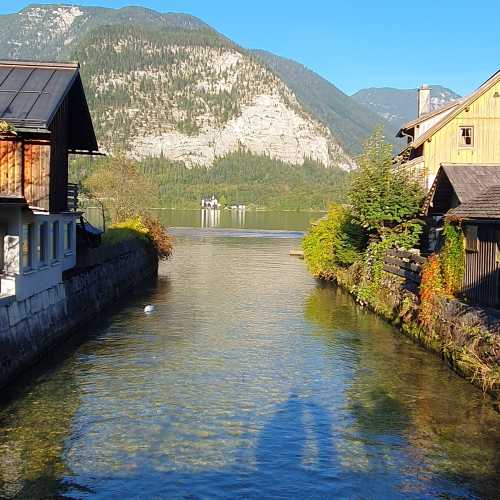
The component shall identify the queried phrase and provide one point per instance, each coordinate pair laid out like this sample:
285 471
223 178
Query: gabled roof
486 205
426 116
464 181
32 92
466 102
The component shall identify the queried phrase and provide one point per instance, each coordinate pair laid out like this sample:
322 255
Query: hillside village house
465 132
470 195
43 117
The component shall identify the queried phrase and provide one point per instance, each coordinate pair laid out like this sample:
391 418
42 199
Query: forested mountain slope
348 120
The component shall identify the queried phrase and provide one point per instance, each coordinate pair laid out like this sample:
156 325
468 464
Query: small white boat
149 309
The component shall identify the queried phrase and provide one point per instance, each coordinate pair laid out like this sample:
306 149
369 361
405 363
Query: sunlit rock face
265 126
207 102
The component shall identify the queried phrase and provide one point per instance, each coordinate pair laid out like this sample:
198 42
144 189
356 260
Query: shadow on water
280 469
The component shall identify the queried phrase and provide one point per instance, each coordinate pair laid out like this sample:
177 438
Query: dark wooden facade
482 268
46 108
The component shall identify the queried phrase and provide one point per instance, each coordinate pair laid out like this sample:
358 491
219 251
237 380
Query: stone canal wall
467 338
30 328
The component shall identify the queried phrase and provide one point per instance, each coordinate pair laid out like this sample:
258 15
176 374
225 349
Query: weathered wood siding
59 160
481 278
37 174
11 174
484 116
25 171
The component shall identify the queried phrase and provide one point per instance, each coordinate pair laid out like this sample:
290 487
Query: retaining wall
29 328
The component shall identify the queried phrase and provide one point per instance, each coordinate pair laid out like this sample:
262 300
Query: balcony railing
72 197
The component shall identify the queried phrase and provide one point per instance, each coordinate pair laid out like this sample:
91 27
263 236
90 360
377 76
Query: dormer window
466 138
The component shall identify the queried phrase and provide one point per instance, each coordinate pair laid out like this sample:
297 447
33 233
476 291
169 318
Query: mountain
169 86
47 31
349 121
399 106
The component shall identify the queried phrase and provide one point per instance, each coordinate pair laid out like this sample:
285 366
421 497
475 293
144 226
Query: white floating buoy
149 309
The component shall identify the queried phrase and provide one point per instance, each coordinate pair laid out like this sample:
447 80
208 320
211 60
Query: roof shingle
486 205
470 180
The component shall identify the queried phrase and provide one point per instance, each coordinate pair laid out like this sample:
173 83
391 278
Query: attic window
466 139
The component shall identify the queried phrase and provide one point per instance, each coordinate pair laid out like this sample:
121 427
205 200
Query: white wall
26 280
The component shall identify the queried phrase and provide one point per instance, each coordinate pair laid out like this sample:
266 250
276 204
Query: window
42 244
470 238
497 238
68 237
466 139
55 240
27 246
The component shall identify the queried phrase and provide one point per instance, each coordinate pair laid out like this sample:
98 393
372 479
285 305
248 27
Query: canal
250 380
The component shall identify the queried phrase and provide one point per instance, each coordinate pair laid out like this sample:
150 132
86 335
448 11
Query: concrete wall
33 325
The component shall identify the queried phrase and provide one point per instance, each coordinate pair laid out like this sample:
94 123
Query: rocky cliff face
169 86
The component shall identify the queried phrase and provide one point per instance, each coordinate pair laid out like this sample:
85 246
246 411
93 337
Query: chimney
424 100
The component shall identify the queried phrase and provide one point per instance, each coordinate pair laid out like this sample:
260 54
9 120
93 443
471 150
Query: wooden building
44 117
457 184
464 132
480 219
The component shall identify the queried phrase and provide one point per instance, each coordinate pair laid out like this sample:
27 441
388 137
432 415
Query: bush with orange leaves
431 286
159 236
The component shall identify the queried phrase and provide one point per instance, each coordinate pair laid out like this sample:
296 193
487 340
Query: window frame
56 238
68 237
471 240
461 145
497 239
42 250
28 229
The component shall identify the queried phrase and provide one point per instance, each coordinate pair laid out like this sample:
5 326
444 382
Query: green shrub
334 241
381 194
144 228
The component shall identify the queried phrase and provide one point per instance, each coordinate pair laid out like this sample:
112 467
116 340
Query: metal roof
31 93
486 205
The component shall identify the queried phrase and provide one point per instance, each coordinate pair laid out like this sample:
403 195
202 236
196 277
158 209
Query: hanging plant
6 128
452 258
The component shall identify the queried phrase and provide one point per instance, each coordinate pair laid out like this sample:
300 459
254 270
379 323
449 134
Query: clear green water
249 219
250 380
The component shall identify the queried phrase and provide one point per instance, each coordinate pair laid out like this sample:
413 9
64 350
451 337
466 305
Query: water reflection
210 217
401 398
238 219
249 380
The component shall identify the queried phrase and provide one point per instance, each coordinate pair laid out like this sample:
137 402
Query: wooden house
480 220
44 117
464 132
457 184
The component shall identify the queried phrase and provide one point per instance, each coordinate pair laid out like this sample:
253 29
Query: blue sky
357 44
